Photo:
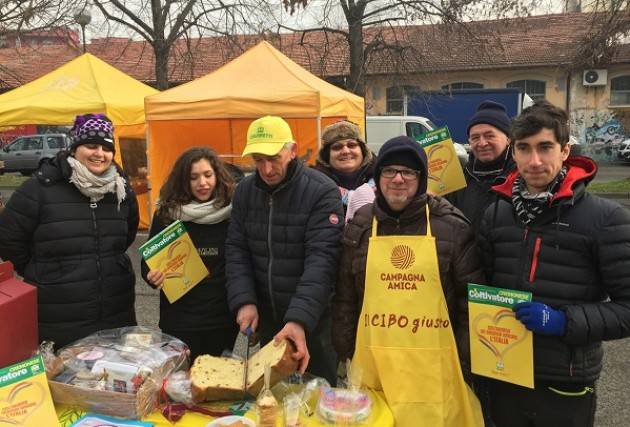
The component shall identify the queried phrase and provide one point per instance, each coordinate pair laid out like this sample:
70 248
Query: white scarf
95 187
203 213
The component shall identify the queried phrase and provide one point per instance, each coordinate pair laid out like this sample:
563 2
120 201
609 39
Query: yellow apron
405 343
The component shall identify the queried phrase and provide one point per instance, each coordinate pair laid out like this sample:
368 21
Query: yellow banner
173 253
25 399
445 171
500 345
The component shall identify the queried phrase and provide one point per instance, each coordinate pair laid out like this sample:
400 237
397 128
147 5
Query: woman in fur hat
346 159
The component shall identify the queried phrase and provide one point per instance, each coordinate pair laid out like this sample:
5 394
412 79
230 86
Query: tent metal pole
149 199
319 132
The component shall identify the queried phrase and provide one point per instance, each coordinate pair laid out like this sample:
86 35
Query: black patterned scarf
528 206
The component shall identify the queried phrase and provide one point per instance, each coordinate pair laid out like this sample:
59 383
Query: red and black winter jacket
575 256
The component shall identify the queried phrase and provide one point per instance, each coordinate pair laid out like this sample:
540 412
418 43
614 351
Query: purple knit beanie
92 129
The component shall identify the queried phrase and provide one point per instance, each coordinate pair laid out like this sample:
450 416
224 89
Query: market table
381 416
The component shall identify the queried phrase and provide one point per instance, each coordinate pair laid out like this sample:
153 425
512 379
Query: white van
379 129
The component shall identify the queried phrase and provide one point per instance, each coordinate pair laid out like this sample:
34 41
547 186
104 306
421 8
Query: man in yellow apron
401 294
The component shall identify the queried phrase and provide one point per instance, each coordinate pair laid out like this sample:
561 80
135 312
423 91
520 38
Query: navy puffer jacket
574 257
283 245
73 252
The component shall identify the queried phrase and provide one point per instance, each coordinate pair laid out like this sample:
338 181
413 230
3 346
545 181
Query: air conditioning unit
595 77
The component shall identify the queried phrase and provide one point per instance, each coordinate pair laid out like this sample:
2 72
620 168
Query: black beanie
493 114
403 151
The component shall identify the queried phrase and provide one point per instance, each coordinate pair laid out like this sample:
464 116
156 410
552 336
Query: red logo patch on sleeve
333 218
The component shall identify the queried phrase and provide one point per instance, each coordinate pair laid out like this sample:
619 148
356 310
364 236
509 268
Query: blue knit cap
493 114
403 151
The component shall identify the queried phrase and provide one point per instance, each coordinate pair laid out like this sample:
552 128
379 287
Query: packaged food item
54 364
291 406
118 372
266 403
177 387
310 395
342 406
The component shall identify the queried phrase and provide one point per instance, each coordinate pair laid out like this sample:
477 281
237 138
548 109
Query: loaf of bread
221 378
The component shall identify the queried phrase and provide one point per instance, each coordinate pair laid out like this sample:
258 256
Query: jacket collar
580 171
502 167
294 169
366 171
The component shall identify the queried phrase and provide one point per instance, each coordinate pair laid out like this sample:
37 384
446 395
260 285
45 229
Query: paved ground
613 387
613 172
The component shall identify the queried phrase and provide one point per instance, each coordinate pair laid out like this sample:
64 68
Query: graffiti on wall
601 134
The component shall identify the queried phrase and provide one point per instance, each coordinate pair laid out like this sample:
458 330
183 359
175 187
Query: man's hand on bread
156 278
295 332
247 316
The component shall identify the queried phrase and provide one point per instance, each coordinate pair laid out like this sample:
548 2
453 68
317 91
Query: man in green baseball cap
282 248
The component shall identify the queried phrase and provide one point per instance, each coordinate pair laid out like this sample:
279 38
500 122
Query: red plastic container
18 317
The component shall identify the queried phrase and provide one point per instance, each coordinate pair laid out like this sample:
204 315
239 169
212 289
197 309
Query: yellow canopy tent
88 85
216 110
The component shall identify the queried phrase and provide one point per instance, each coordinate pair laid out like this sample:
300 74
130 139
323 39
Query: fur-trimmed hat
339 131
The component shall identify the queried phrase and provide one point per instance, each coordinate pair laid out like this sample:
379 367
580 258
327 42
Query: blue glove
540 318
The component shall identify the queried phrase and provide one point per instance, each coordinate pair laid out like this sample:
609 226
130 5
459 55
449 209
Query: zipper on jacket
270 263
97 245
534 266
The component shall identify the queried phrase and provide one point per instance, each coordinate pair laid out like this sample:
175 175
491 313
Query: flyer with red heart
25 398
500 345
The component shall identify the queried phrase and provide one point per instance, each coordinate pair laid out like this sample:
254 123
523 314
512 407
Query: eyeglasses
338 146
407 174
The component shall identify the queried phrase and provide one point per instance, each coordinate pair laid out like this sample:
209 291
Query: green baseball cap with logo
267 136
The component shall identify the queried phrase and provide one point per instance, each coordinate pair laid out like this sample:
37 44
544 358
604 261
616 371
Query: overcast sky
304 18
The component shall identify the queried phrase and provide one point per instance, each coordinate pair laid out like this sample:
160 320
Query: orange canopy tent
216 110
88 85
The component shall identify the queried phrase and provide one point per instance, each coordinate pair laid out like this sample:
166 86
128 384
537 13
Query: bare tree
373 29
607 33
163 22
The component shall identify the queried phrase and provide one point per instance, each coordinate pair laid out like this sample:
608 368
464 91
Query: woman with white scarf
198 192
66 230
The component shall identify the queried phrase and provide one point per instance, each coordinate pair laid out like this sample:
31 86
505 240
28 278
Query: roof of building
546 40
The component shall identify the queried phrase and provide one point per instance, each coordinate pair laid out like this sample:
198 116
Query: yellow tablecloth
381 416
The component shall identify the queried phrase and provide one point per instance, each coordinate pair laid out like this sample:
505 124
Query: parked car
381 128
26 153
624 151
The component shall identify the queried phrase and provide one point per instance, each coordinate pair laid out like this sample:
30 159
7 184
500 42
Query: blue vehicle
455 108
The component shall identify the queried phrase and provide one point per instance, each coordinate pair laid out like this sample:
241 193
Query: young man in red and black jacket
545 234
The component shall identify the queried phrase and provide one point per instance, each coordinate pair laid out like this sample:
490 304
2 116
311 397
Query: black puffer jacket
573 257
458 260
73 253
205 306
282 246
474 199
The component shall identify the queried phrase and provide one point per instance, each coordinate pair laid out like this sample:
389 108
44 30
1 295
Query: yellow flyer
445 171
173 253
500 345
25 399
